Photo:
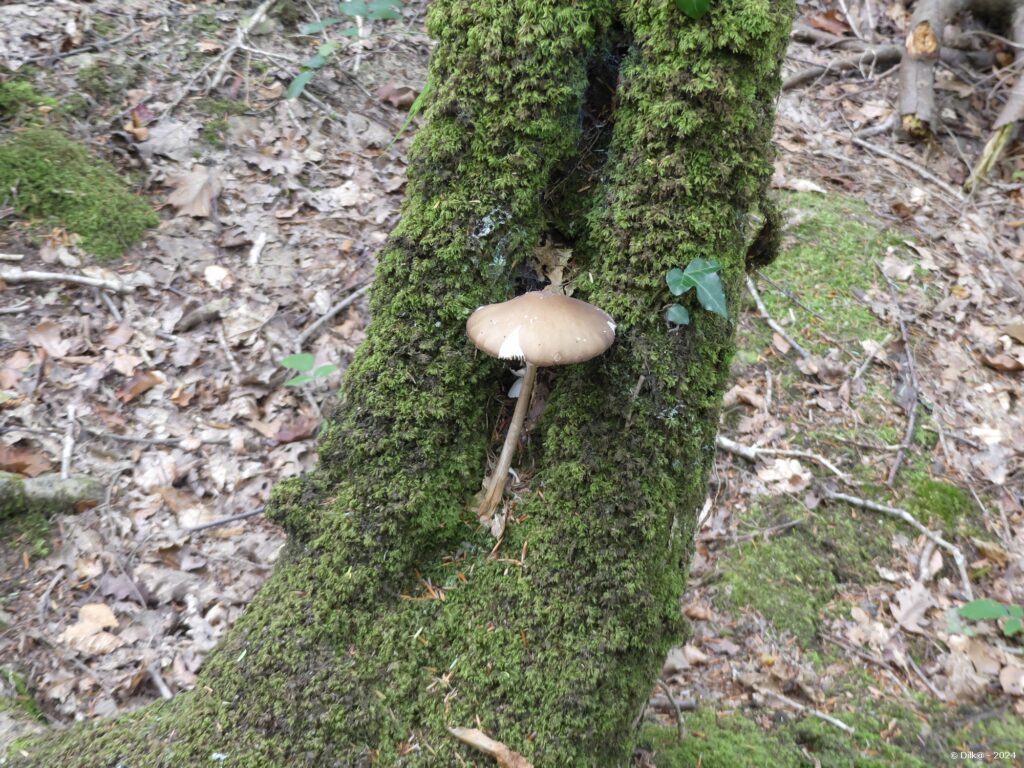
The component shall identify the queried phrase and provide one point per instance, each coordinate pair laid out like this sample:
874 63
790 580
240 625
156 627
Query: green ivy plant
303 363
989 610
701 274
348 10
693 8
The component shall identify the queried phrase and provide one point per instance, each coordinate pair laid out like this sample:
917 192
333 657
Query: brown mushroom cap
542 328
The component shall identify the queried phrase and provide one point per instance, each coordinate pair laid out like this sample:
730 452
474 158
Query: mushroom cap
541 328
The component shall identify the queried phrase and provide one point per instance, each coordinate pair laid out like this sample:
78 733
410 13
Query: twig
791 296
479 740
811 711
909 519
907 163
16 275
871 356
69 444
908 435
44 601
97 46
11 256
110 305
17 309
751 453
771 323
225 521
928 683
243 29
314 328
675 705
158 681
223 341
854 26
173 442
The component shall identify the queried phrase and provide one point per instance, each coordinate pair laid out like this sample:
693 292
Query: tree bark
387 620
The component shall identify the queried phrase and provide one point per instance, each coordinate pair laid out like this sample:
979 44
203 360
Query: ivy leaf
299 84
315 27
979 610
677 282
693 8
303 362
324 370
1013 627
701 274
298 381
676 313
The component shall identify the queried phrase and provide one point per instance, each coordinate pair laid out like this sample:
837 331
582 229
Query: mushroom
540 329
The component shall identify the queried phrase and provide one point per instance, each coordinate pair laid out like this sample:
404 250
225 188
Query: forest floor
823 632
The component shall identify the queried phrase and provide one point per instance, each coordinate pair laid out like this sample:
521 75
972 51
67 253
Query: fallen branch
908 434
924 173
479 740
225 521
909 519
69 445
50 494
315 327
243 29
771 323
17 275
752 453
810 711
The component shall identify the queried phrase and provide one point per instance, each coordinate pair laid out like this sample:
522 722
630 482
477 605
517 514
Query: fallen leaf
786 475
48 336
194 192
138 384
1012 680
910 606
400 96
171 139
1002 362
1015 331
23 461
87 635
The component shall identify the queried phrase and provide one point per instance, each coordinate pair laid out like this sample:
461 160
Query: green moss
719 740
215 130
103 26
27 531
107 81
21 698
783 580
992 729
939 501
18 97
830 254
59 183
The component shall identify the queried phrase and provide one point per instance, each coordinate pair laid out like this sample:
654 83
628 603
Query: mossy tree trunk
344 658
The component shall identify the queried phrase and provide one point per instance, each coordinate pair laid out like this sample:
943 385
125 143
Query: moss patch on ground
19 100
59 183
28 532
791 577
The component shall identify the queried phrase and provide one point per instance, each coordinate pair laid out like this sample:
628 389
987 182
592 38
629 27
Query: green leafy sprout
988 610
303 363
701 274
348 10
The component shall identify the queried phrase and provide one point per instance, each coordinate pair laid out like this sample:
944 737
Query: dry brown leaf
195 192
1015 331
479 740
48 336
23 461
1012 679
1002 362
911 605
88 635
139 384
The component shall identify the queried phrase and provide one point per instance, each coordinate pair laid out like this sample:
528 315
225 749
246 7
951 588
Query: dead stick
771 323
909 519
312 329
908 435
16 275
225 521
243 29
69 444
751 453
907 163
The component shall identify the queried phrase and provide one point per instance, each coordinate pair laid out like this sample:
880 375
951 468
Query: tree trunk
387 620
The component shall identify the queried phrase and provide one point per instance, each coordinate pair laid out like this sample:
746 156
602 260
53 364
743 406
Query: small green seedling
701 274
348 10
304 365
988 610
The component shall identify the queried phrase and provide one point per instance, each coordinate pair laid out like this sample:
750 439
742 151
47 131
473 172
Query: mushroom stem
515 428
